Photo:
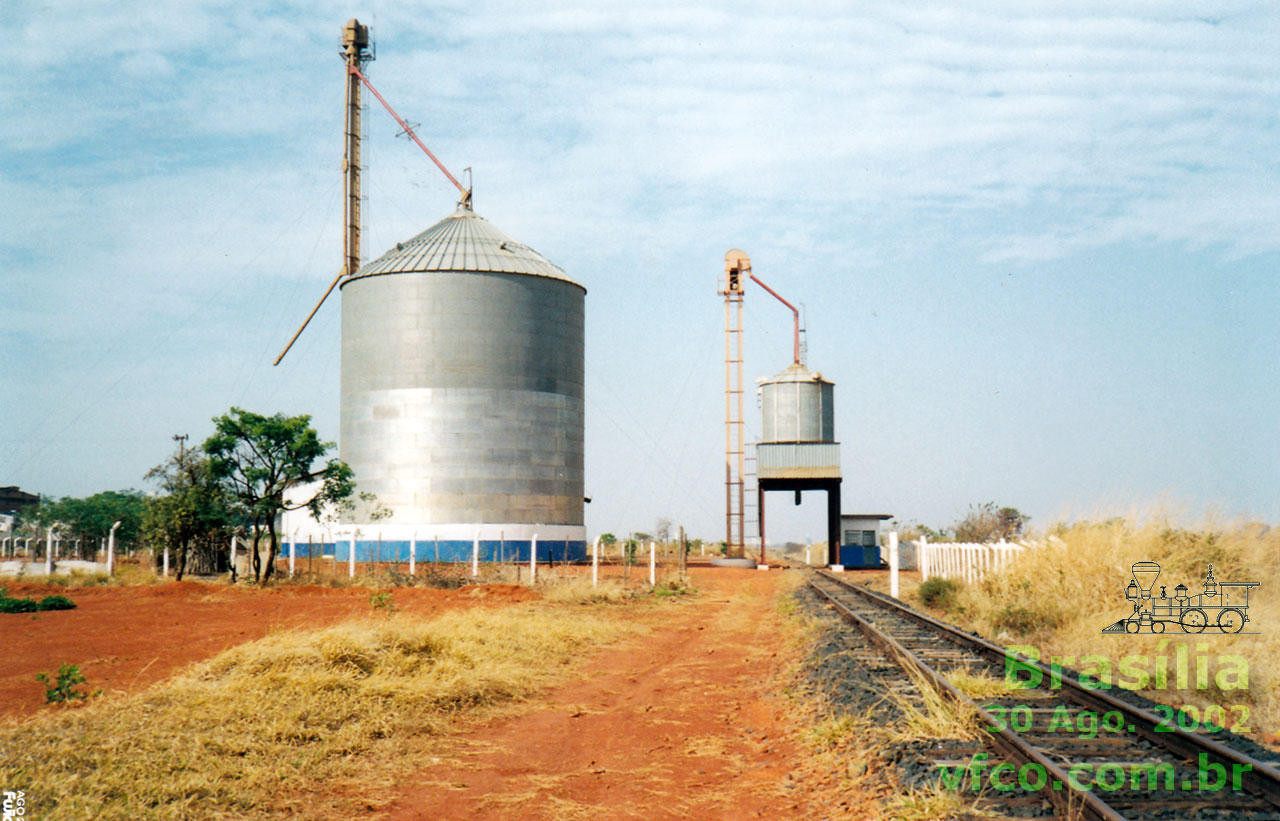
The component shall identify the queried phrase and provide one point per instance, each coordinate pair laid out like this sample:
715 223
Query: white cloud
188 152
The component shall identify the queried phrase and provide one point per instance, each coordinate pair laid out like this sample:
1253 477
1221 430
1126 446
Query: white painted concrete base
836 568
22 568
762 567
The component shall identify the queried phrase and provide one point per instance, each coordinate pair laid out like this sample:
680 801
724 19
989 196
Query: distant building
860 539
861 529
12 500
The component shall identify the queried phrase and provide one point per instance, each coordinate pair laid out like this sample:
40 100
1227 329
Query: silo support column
833 522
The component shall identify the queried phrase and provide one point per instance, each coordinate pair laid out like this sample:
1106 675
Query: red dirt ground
683 722
126 638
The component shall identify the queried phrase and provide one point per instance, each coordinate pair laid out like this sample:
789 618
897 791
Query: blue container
856 555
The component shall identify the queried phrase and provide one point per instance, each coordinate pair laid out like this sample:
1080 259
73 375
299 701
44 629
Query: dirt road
682 722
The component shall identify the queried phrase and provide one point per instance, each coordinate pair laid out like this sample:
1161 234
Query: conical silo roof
463 241
795 373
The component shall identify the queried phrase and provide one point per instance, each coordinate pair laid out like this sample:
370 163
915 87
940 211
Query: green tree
90 519
266 461
195 508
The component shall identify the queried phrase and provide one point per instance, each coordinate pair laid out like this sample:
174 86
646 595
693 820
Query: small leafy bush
939 592
671 587
8 605
1023 620
382 601
56 603
63 686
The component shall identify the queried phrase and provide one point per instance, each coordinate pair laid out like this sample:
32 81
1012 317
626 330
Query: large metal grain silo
462 397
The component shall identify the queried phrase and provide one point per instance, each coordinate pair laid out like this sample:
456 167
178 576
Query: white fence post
166 561
111 549
233 554
533 560
893 563
413 549
967 561
351 559
595 563
293 552
653 565
475 555
48 553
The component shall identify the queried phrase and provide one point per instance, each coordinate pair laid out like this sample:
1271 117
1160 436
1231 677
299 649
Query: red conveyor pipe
793 308
356 71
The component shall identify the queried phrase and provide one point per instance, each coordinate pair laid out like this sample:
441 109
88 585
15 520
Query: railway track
1134 765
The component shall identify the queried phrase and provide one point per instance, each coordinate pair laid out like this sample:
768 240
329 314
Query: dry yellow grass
125 575
933 804
977 686
1058 596
934 716
579 590
257 729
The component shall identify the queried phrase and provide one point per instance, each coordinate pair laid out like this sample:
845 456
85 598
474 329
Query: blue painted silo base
458 550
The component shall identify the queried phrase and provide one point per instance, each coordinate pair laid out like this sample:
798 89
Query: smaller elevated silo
799 431
797 406
798 450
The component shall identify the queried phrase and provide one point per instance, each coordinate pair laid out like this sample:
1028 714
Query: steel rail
1260 778
1068 803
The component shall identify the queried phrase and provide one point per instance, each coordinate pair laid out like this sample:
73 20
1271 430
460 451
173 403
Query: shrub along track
1069 761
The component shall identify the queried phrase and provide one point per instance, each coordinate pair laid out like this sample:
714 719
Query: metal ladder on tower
737 265
751 497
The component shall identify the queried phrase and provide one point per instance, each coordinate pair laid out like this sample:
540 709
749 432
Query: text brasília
1134 671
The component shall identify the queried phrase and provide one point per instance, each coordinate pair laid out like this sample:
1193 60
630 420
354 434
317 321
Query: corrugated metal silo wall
797 411
462 396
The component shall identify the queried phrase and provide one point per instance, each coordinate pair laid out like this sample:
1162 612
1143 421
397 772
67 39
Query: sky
1036 242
